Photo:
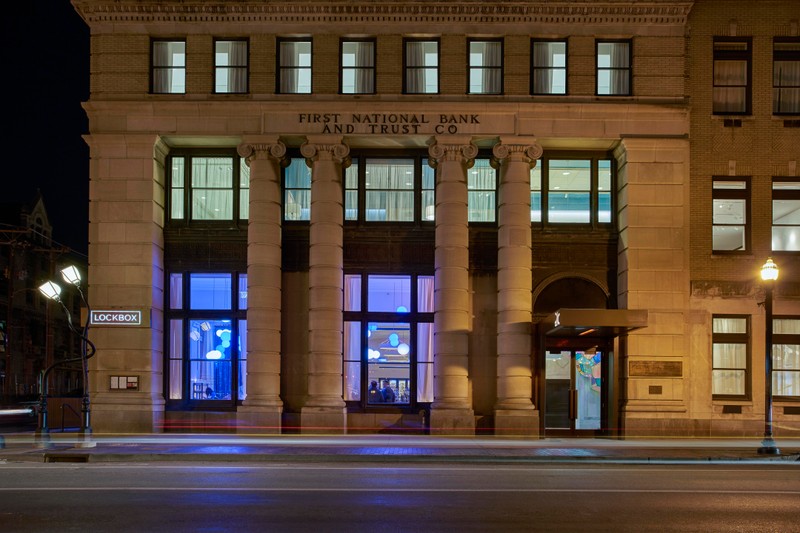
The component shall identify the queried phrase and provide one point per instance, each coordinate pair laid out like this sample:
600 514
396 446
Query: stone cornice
364 12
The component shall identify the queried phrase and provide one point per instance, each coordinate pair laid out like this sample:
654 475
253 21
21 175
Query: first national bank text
387 123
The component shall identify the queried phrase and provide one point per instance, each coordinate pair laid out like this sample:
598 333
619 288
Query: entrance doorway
573 391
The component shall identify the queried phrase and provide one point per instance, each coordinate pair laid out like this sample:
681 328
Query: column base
323 420
452 421
516 423
259 420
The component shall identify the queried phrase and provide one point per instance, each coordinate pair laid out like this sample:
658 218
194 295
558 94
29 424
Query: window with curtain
731 215
548 67
230 66
357 67
388 339
614 73
389 190
786 358
786 76
207 338
482 191
485 66
732 89
207 188
577 190
351 190
297 190
169 67
294 66
730 357
421 66
786 215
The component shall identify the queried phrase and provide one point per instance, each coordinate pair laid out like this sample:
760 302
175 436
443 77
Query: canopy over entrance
596 322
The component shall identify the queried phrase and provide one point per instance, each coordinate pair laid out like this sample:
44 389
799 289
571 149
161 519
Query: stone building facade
504 211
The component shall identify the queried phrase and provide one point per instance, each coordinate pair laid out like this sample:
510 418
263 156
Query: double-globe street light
769 275
72 276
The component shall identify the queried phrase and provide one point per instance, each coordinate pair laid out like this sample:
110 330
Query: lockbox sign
116 317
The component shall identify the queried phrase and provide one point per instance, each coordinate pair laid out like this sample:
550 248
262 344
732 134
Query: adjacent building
510 218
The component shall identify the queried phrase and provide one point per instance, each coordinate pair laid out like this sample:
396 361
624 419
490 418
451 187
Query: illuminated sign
116 317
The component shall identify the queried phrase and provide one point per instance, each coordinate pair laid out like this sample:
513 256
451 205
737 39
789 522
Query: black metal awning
596 322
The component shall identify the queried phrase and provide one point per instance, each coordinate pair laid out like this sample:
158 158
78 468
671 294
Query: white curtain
492 71
212 188
175 359
415 74
162 77
619 82
424 362
237 74
543 68
786 83
364 74
390 190
730 86
482 185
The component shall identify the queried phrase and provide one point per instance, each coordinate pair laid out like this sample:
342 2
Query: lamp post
769 274
52 290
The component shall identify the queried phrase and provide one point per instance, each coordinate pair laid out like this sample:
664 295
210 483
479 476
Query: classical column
324 409
514 411
451 411
262 408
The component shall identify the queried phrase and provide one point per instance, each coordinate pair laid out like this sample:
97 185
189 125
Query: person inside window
374 395
388 392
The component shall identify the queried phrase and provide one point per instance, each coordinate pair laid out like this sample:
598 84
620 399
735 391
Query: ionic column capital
315 151
525 152
456 151
262 150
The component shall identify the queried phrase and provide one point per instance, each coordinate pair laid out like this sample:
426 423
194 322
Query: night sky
46 78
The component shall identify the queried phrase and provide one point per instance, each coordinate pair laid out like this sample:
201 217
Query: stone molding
452 152
522 152
364 12
335 151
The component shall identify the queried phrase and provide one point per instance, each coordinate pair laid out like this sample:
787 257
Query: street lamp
769 274
52 291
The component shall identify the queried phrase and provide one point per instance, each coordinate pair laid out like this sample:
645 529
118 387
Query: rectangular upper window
169 67
732 68
786 215
572 191
230 66
421 67
357 67
485 66
731 215
614 73
786 76
481 192
208 188
294 66
548 67
297 190
730 372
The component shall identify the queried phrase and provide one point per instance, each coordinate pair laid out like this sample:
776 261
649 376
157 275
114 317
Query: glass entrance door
573 387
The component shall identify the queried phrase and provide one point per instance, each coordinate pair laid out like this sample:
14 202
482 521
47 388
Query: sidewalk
67 447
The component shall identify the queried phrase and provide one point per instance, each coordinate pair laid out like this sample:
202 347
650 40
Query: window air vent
732 123
793 123
791 410
731 409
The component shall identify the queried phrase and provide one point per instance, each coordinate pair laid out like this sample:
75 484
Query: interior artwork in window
294 67
485 67
549 67
786 215
169 67
730 215
786 76
422 67
358 67
230 72
614 68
